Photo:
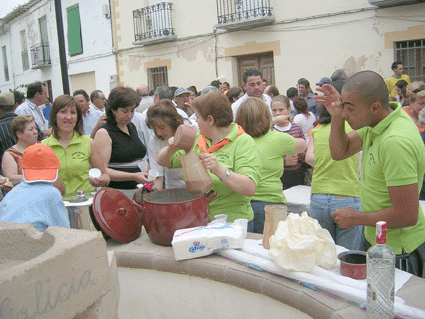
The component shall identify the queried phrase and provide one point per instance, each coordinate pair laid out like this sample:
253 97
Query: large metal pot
165 211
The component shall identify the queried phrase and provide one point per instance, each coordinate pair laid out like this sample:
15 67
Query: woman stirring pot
227 152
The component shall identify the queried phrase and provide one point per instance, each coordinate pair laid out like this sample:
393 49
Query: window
5 68
24 52
412 55
157 77
75 42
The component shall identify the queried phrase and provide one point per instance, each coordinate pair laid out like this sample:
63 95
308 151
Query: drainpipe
62 51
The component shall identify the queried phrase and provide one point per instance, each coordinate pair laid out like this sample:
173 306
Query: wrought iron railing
40 54
25 61
229 11
153 22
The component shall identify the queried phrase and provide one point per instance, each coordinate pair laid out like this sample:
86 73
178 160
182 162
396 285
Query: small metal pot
353 264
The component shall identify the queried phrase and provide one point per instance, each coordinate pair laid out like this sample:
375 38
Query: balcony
40 55
153 24
239 14
393 3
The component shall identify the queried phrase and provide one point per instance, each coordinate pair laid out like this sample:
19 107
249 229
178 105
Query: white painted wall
97 53
328 35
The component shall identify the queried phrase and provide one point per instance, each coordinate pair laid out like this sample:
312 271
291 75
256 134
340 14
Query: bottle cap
381 232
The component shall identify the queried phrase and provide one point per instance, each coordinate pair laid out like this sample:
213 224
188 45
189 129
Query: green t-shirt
329 176
393 155
391 82
272 146
74 161
240 156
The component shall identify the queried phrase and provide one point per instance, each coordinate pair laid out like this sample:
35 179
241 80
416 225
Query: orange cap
40 164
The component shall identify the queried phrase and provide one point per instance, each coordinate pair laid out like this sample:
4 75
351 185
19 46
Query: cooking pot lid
116 215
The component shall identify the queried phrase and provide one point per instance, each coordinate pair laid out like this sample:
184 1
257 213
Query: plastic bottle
380 276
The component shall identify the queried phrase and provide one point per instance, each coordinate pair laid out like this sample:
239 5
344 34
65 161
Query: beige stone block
56 274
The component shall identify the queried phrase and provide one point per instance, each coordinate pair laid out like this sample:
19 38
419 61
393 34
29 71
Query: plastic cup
143 166
95 173
152 174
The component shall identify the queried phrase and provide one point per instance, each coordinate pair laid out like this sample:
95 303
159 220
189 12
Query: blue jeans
259 215
321 207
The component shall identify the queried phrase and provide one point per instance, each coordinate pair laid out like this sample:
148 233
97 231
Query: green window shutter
75 43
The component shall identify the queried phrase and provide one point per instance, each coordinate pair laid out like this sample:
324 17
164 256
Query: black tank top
125 148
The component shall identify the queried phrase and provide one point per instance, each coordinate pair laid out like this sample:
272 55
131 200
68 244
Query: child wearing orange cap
35 200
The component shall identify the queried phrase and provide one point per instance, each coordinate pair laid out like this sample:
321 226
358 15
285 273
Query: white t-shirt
173 176
306 123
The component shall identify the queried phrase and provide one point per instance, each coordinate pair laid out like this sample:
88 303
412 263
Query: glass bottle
380 276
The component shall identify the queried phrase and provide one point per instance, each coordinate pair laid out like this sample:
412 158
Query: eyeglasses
419 89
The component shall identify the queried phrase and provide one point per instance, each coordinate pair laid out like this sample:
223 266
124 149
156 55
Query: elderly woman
76 152
164 120
227 152
119 142
416 97
255 118
24 130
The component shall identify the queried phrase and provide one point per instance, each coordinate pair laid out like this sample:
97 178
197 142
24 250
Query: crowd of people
358 144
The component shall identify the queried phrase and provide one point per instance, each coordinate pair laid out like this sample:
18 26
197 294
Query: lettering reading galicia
46 298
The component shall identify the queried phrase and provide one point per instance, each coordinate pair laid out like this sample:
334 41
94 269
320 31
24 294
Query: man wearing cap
324 81
7 114
35 200
36 95
181 98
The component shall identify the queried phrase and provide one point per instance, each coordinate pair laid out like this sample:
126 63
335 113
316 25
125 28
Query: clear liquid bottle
380 276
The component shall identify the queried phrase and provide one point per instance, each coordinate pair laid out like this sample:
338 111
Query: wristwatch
226 175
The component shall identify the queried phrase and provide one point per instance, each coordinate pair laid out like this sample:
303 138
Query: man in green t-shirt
398 75
393 165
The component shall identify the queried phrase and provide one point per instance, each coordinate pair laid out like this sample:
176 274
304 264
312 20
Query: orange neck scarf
202 142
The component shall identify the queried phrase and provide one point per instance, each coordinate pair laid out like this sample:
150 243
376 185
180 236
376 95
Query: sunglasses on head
419 89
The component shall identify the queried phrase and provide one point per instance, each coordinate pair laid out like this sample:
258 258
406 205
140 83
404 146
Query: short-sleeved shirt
329 176
74 161
30 108
392 81
235 105
90 120
393 155
173 176
272 146
240 156
39 204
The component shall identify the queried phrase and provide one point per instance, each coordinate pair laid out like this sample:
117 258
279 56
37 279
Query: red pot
165 211
353 264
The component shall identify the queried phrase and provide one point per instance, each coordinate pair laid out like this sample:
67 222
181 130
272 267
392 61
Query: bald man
146 100
393 165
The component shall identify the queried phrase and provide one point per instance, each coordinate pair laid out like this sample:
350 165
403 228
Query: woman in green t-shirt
255 118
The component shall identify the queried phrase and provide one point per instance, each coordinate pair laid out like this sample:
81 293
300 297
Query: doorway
263 62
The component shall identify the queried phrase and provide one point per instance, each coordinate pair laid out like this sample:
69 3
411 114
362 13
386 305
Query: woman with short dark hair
119 142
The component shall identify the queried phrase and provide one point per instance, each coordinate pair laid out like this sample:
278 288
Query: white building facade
29 37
